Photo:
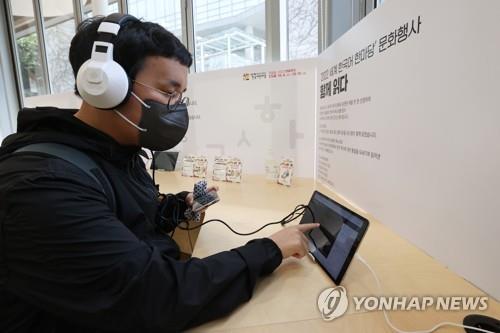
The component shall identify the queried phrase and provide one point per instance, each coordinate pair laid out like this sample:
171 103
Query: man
71 259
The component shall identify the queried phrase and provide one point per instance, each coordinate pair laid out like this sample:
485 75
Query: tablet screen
334 243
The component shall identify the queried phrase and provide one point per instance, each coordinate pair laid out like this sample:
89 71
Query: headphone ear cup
104 85
129 91
119 84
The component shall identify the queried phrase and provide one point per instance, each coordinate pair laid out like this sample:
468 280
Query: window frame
276 34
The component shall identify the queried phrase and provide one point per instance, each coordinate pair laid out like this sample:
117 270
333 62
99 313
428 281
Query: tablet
335 242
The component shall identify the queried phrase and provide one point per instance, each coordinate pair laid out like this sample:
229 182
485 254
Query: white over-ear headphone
102 82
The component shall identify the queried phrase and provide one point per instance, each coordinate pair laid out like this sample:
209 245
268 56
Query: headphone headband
110 26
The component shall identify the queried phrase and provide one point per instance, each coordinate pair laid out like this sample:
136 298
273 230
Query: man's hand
292 241
190 196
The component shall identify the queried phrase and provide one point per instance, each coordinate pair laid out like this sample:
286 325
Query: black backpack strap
3 269
78 159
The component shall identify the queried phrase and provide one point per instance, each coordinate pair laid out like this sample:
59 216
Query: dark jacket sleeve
67 253
171 211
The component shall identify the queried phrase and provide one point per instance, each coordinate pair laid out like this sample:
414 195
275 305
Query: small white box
188 166
194 166
200 167
233 171
220 168
227 169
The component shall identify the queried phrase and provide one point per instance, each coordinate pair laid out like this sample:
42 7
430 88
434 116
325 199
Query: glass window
28 50
59 25
302 28
166 13
5 111
108 6
229 33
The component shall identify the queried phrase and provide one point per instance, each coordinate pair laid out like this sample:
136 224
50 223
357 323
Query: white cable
395 329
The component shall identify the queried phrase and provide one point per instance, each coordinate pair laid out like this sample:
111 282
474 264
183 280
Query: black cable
153 163
300 210
162 222
175 223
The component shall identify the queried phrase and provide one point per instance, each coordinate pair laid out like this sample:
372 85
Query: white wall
434 108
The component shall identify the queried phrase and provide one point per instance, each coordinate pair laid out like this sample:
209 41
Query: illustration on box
227 169
194 166
285 172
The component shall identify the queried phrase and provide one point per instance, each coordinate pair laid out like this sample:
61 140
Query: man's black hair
136 40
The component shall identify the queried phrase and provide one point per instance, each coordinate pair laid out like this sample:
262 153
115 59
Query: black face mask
160 127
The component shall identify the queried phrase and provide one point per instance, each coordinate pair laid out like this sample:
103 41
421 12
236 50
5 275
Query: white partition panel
412 134
254 113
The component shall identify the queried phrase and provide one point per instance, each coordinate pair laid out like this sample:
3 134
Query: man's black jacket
68 263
